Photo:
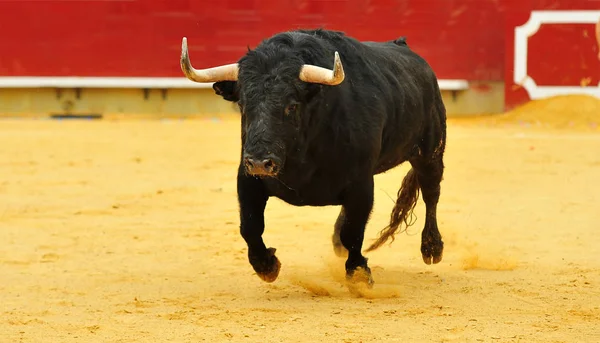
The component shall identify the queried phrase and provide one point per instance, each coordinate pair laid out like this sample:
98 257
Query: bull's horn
313 74
228 72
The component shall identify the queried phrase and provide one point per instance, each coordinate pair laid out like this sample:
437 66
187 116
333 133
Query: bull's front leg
252 199
357 203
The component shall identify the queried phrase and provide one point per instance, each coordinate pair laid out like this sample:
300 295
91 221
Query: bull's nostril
251 164
268 164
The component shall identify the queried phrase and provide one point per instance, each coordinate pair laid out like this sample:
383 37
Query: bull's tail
403 210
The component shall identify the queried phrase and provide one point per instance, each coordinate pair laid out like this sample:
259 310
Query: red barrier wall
558 54
460 38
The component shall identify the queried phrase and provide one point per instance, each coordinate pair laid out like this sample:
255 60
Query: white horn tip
338 69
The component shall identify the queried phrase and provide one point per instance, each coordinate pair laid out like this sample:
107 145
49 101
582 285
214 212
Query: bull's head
273 98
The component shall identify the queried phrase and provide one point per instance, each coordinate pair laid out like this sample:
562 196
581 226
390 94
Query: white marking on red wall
523 32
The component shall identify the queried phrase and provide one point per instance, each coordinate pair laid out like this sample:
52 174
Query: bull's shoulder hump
389 48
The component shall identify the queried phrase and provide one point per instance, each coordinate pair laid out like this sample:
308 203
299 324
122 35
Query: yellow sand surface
572 112
127 231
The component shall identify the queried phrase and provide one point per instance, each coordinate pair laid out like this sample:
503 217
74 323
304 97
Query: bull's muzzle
261 167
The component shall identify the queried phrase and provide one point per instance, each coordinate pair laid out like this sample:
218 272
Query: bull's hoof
267 268
432 251
273 272
361 275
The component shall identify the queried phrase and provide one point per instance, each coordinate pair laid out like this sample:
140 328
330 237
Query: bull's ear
227 89
312 90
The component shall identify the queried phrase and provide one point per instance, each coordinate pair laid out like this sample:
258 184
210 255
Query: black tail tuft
403 210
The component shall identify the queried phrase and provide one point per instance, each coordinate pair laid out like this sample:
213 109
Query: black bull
319 143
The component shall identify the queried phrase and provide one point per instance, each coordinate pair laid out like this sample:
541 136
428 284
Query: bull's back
410 99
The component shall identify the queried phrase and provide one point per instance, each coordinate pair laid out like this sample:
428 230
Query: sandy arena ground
128 232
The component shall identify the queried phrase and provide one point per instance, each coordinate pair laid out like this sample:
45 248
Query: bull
315 133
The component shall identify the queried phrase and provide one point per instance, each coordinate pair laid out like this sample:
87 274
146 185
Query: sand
572 112
127 231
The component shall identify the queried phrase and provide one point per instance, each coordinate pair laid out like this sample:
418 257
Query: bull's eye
291 109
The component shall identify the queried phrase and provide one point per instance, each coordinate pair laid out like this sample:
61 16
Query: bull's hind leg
357 203
430 175
338 247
